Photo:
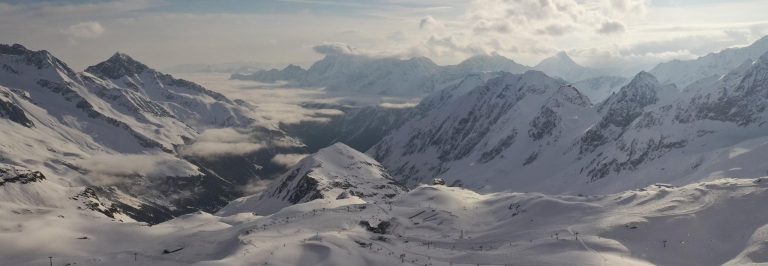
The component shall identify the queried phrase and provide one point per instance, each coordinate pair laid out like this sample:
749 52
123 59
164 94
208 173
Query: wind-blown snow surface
712 223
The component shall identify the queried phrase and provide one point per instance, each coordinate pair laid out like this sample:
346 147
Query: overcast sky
164 33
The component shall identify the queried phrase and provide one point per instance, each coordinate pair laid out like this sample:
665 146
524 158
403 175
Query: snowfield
711 223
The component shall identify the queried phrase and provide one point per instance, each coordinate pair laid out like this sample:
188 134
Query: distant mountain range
684 72
419 76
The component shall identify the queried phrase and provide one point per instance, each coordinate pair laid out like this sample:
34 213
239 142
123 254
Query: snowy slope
334 172
698 224
684 72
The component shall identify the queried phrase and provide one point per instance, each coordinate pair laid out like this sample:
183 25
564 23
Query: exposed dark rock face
381 228
14 113
621 109
11 176
117 66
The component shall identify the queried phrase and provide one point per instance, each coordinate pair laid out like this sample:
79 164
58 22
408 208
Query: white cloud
223 135
275 105
90 29
398 105
287 160
221 142
107 169
206 149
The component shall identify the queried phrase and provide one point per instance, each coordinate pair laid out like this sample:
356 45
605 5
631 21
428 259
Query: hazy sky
163 33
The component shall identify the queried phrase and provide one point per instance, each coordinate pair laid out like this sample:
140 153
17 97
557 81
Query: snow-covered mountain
684 72
333 173
289 73
508 123
713 129
510 134
361 127
488 63
363 74
181 99
107 139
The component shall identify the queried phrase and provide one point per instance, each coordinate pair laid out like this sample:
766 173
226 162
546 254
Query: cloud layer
108 169
89 29
287 160
221 142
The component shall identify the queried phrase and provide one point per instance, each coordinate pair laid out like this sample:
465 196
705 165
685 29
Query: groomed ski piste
709 223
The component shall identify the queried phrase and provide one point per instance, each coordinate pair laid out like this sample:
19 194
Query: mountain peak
560 58
490 63
336 148
644 77
15 49
41 59
561 65
334 172
643 90
562 55
117 66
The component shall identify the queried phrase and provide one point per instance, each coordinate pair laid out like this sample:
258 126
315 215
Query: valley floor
712 223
